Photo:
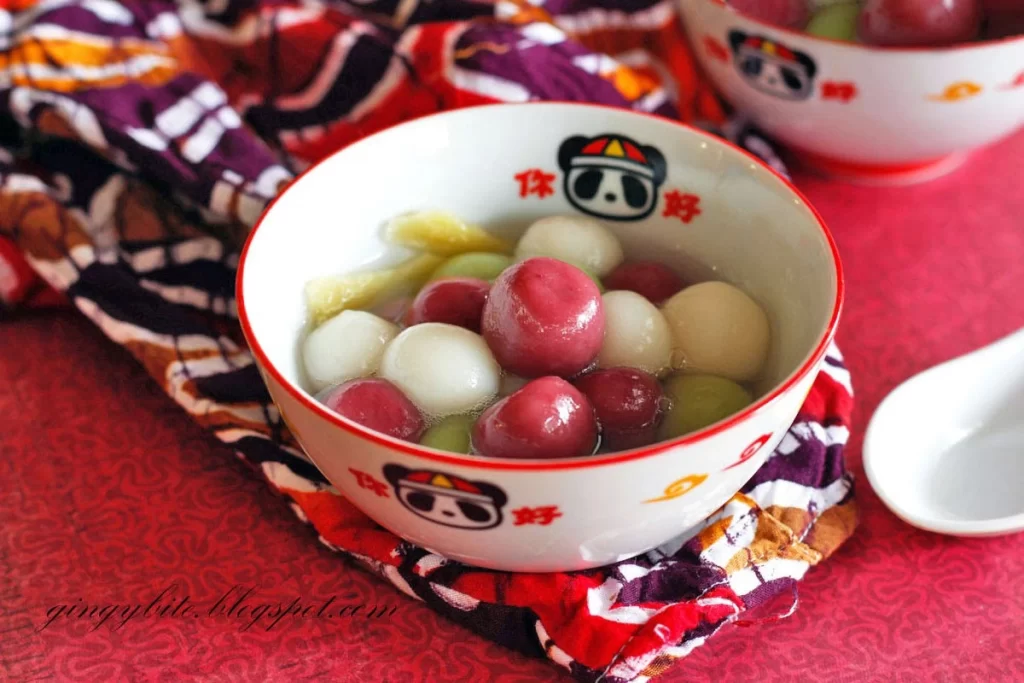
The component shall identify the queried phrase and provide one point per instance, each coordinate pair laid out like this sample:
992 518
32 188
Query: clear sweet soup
554 346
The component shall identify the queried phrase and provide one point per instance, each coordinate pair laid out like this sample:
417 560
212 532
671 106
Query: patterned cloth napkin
140 140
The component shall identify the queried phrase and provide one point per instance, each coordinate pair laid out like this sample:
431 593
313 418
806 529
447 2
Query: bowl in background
879 115
712 210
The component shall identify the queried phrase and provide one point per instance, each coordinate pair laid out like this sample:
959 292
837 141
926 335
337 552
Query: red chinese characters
542 515
681 205
535 181
841 92
368 482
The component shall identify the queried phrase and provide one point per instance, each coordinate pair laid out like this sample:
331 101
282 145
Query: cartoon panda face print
773 68
446 499
611 176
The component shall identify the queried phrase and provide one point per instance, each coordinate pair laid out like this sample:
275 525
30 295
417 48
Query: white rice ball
636 334
580 241
443 369
348 346
718 329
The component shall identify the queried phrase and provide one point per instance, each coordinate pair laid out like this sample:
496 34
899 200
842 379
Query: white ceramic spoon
945 450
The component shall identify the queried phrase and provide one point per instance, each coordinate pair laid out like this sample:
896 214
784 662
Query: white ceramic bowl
753 229
884 115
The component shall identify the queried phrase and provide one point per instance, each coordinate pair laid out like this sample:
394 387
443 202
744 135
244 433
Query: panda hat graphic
771 67
446 499
611 176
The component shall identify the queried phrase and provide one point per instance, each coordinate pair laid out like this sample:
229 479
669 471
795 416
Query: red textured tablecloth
108 489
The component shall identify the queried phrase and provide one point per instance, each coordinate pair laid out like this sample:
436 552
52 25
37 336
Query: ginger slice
328 296
439 232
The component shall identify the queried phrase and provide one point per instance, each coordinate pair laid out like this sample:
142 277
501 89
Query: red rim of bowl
869 48
483 462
